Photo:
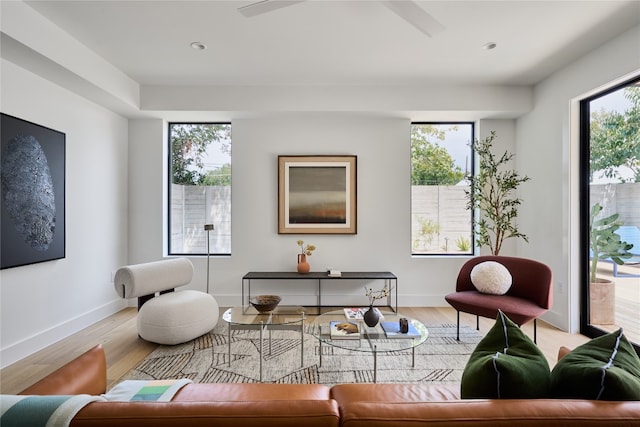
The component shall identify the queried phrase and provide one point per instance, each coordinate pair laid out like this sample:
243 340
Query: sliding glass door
610 211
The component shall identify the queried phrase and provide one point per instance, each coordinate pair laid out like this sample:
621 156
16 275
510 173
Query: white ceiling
324 42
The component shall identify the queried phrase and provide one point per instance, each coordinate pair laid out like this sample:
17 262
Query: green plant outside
427 232
604 242
189 145
463 244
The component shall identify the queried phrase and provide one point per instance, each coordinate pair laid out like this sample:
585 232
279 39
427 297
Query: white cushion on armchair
490 277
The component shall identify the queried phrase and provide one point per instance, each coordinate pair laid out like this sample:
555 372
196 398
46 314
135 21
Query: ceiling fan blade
265 6
415 15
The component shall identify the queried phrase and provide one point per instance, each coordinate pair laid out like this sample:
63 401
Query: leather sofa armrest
86 374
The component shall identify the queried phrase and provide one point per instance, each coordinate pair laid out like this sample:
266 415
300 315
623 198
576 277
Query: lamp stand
208 228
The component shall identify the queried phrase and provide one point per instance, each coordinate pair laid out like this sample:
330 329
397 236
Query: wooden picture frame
317 194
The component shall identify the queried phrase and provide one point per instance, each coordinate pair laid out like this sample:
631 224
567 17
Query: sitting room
322 152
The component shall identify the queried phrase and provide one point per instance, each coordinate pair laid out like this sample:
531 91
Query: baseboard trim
37 342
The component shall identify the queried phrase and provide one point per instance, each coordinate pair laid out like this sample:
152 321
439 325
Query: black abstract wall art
32 177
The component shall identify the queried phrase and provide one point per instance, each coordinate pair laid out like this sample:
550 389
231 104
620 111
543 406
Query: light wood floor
627 300
124 349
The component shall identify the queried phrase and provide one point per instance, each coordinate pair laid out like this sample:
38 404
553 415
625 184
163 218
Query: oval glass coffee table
372 340
281 318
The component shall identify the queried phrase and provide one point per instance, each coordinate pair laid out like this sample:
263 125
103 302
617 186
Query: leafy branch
604 241
492 192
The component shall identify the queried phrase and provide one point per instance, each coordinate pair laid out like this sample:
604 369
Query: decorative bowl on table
265 303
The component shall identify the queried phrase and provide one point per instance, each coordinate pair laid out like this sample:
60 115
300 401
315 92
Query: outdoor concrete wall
446 207
193 206
623 199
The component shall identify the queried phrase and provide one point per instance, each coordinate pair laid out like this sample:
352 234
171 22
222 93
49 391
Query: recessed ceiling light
489 46
198 45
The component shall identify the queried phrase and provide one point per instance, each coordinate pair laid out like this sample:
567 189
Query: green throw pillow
506 364
605 368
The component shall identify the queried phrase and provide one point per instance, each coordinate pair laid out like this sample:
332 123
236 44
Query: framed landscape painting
317 194
32 196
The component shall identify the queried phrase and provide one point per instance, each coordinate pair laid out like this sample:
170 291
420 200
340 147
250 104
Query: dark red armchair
528 298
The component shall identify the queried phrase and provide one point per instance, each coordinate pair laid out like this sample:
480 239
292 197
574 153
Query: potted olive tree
604 244
492 191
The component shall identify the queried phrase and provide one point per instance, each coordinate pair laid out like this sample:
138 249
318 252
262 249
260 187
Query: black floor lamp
208 228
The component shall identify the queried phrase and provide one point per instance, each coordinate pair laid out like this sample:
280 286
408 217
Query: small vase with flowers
306 250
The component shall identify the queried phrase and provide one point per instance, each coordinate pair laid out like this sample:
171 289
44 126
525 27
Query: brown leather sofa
309 405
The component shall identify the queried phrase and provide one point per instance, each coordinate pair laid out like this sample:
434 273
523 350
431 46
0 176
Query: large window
200 188
441 158
610 211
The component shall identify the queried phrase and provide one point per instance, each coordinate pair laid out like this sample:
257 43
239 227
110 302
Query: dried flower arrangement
306 249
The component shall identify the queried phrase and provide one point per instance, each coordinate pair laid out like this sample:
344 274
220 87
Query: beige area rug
441 359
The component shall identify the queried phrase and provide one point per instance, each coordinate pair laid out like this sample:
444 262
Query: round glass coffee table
384 337
282 318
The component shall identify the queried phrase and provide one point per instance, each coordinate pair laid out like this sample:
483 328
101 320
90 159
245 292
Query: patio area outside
627 299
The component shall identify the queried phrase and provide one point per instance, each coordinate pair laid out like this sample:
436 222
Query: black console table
391 281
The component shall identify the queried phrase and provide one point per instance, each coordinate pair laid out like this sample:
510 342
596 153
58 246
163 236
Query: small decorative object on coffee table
371 316
401 329
265 303
344 330
403 325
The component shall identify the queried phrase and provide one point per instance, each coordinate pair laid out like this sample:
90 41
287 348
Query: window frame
471 171
584 191
169 177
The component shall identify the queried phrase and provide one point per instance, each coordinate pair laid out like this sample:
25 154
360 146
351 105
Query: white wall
547 148
42 303
147 190
505 140
383 240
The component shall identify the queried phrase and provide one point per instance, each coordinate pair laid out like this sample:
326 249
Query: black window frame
170 182
584 114
471 171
